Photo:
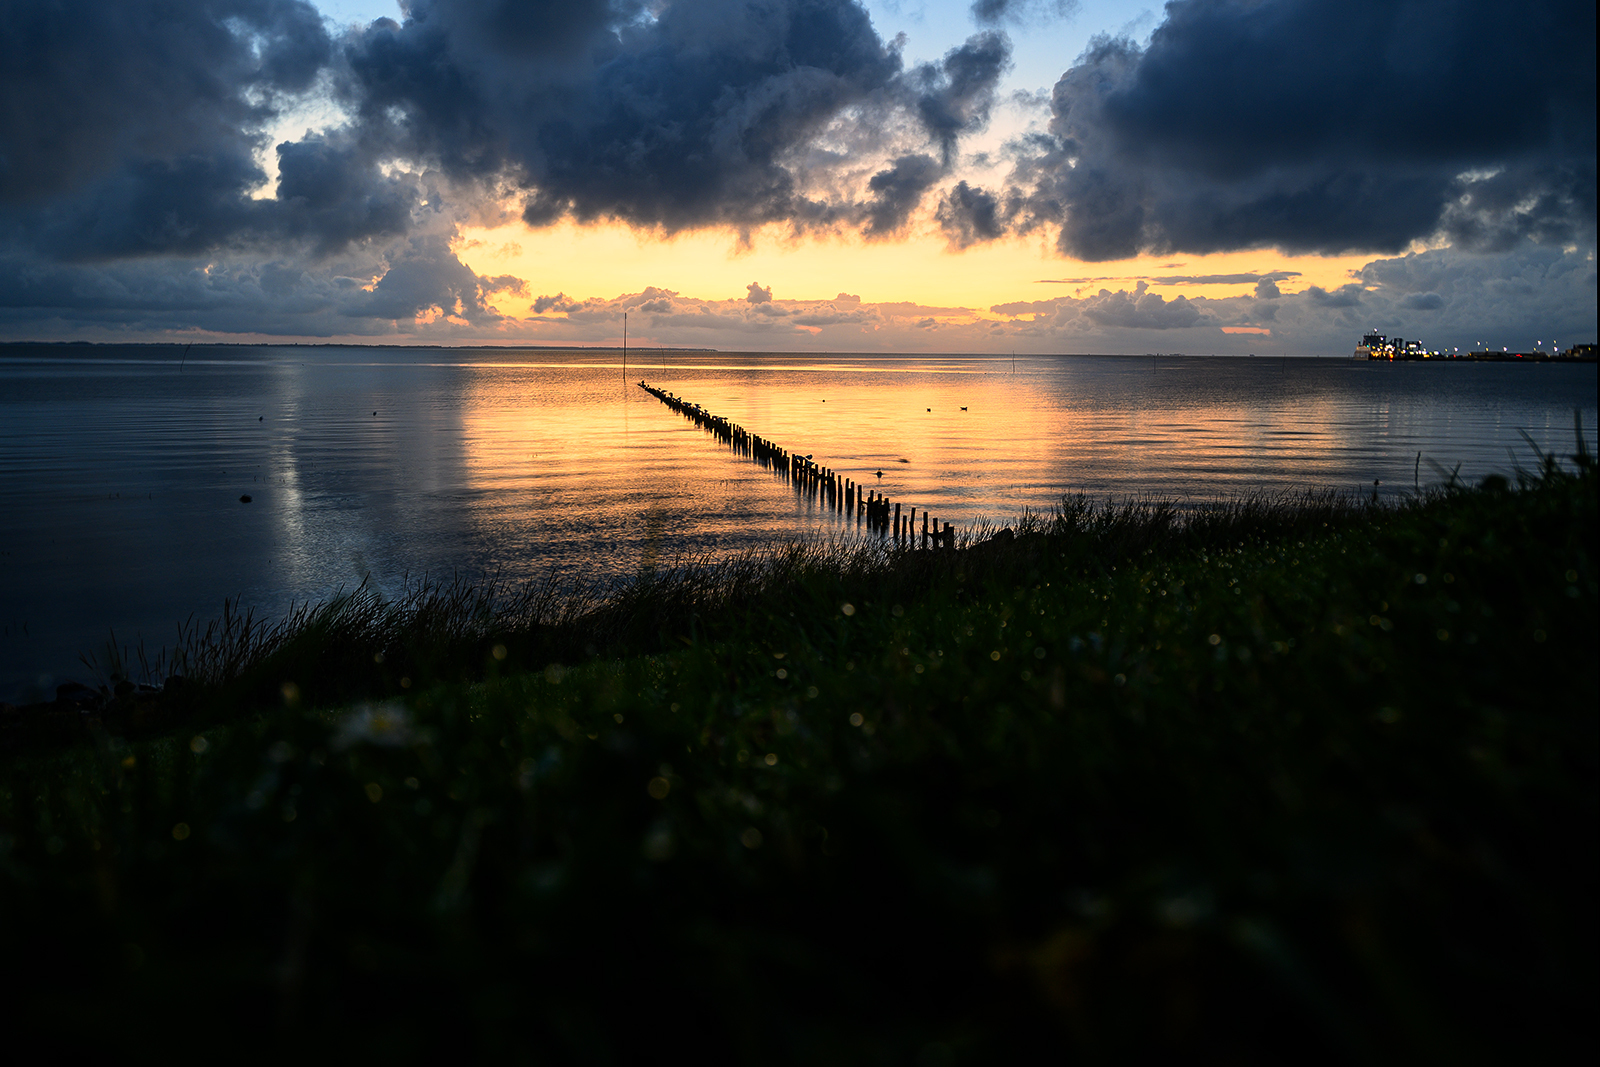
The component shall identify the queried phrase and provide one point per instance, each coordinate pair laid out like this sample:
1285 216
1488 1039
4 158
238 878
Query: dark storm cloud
1544 201
1323 126
1534 291
897 191
130 128
272 297
136 129
955 96
970 216
674 117
994 12
331 190
688 114
90 85
426 275
328 196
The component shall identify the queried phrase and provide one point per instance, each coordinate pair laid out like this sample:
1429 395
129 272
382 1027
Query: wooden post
897 522
924 529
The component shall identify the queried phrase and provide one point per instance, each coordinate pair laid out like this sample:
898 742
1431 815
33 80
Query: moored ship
1377 346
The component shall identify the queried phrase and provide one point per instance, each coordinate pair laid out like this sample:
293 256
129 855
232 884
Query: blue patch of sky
1043 46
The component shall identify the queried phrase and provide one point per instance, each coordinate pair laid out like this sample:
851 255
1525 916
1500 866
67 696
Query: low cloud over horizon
246 167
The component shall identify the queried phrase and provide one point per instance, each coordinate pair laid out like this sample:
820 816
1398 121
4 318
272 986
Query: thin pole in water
185 358
624 346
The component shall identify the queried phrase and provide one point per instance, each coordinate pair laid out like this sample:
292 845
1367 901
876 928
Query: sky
1208 176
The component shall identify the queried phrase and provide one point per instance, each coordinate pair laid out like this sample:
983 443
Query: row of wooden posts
869 508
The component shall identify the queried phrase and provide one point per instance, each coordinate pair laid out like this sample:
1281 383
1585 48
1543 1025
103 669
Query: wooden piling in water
817 482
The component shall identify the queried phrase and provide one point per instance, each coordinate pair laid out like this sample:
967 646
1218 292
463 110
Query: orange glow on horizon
610 259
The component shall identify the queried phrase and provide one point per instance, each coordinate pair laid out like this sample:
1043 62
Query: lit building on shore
1378 346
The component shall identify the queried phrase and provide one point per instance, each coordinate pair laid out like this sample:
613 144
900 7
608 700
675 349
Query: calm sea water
121 468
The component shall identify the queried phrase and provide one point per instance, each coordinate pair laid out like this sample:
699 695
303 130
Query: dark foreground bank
1296 781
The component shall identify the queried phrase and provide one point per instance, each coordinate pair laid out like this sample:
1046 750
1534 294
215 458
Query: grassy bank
1310 779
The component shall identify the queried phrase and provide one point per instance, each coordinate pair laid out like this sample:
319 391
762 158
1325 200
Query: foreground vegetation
1309 779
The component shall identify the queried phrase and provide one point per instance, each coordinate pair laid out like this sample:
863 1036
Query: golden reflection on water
574 459
122 476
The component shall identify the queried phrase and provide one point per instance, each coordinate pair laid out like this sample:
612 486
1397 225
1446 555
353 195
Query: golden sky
374 188
606 260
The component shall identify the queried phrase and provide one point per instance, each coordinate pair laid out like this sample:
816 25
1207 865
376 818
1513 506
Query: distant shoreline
1511 357
339 344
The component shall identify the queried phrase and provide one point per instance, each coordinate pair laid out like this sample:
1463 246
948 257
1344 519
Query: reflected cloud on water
121 472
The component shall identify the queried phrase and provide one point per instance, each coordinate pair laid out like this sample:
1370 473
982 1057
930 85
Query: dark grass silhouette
1297 778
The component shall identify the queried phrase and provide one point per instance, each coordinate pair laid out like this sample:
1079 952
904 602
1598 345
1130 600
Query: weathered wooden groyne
868 508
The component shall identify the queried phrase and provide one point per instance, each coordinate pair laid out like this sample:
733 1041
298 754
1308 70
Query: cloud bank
137 129
149 182
133 126
1316 126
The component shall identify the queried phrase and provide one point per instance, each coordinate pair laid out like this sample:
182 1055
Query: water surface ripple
121 467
